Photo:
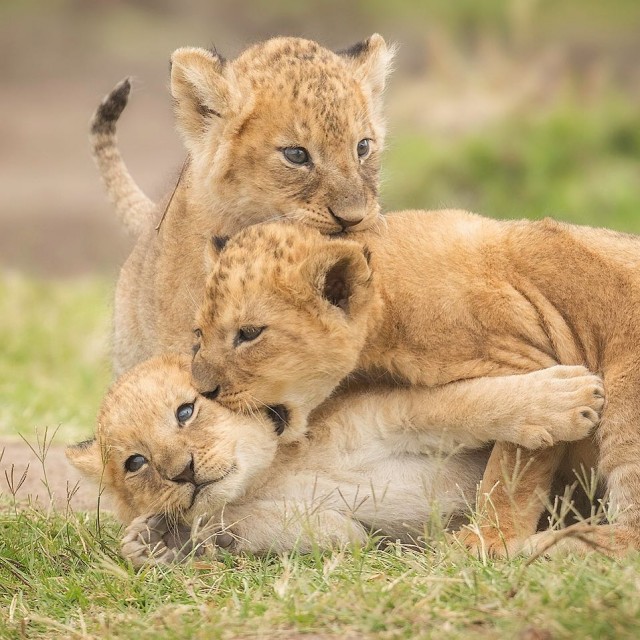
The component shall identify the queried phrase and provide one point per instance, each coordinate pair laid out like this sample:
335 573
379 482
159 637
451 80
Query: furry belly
396 496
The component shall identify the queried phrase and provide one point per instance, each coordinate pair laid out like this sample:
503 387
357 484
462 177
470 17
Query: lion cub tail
135 210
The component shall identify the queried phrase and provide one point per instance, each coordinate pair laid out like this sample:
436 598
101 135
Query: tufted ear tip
191 55
219 242
375 40
371 60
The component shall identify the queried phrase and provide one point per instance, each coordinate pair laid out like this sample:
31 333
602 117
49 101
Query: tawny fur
236 117
387 461
436 297
134 209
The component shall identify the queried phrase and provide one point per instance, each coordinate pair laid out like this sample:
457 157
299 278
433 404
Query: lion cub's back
434 253
429 245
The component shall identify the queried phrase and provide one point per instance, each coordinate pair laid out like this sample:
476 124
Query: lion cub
380 460
433 298
288 130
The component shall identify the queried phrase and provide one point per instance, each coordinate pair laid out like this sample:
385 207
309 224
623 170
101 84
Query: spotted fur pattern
444 296
236 118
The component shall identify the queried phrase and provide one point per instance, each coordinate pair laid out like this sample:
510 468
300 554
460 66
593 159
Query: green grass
582 166
54 341
58 579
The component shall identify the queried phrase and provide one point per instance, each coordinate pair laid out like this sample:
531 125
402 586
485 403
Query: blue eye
363 148
184 412
135 462
296 155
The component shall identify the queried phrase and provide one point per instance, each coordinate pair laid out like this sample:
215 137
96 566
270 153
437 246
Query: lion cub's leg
619 466
278 526
619 461
614 540
511 498
514 487
259 526
533 410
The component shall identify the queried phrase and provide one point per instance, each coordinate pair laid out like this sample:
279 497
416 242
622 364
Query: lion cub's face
284 320
162 447
287 130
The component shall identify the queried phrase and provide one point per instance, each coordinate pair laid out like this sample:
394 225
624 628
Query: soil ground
62 488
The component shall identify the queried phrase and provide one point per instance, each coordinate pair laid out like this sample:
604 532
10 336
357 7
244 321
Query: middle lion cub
434 298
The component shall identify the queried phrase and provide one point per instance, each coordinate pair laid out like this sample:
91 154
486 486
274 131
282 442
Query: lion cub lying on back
378 461
433 298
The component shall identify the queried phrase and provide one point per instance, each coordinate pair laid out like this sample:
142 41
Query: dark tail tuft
111 107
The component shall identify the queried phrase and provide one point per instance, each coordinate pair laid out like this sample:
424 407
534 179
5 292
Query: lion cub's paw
152 540
565 404
491 543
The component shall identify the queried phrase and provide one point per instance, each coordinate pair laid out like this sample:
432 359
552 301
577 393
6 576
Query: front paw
152 540
211 535
488 542
566 404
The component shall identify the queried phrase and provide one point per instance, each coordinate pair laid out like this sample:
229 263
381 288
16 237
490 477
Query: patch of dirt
63 485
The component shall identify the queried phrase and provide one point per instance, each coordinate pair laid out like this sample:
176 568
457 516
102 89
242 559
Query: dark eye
184 412
197 333
247 334
363 148
296 155
134 463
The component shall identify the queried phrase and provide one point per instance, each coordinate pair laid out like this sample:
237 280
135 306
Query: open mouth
279 415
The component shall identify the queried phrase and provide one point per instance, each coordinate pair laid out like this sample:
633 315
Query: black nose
213 394
345 224
187 474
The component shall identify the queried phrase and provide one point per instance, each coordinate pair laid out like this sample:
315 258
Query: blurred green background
511 108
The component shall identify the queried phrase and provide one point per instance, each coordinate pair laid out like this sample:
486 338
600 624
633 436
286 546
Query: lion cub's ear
87 458
340 274
213 250
203 89
371 61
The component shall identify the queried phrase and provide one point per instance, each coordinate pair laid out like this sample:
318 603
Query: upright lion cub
429 299
288 130
380 460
